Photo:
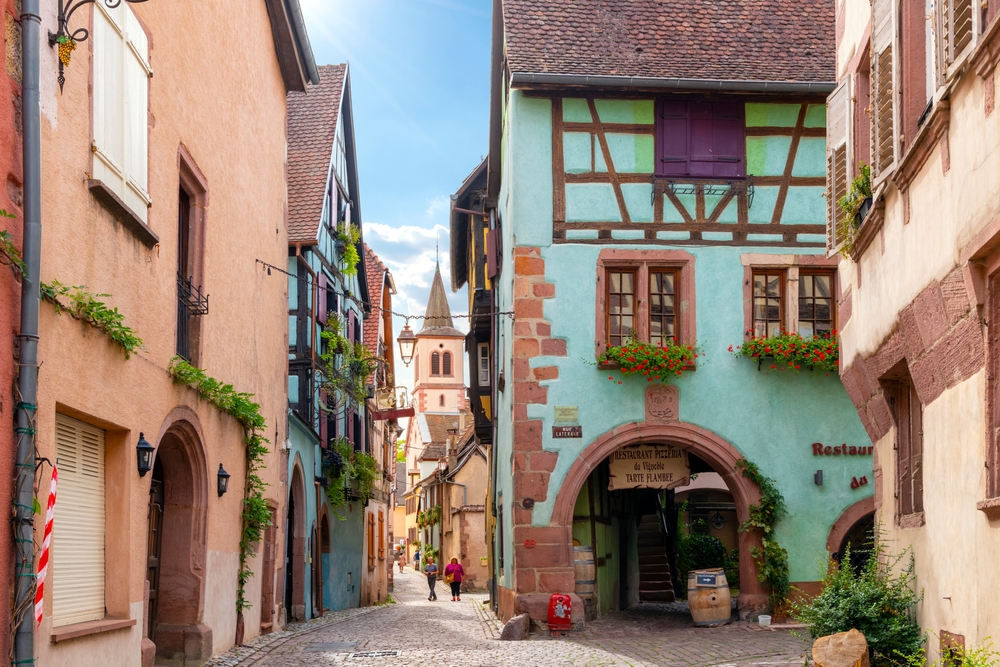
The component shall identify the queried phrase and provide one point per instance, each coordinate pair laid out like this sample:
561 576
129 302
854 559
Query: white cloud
437 206
410 252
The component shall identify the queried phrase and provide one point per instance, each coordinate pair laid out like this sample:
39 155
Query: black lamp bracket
66 10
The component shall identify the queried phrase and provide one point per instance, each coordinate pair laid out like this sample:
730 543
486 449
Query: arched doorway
295 548
854 527
712 450
176 555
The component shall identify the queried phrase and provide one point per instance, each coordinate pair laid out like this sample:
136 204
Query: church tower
438 362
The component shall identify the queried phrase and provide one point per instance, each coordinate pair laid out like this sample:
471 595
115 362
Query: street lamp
144 455
407 341
223 480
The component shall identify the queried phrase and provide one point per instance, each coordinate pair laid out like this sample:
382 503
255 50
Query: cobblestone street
466 634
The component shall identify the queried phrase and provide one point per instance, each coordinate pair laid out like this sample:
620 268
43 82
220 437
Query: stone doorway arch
181 466
295 547
710 447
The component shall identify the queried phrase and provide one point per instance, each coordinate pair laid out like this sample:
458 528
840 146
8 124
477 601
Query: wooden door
154 541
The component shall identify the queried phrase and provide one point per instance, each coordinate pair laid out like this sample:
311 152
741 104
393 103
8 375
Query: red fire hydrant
560 612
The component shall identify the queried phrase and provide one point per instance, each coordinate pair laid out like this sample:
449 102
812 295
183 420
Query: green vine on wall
350 239
771 558
346 466
9 254
256 515
347 365
88 307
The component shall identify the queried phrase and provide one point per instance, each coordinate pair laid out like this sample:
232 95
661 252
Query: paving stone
466 634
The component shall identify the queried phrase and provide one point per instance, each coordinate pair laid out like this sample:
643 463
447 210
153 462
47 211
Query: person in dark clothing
431 570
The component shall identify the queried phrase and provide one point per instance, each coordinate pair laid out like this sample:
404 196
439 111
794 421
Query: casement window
908 416
435 364
483 357
120 106
701 139
78 535
839 157
662 306
768 302
446 364
816 311
621 306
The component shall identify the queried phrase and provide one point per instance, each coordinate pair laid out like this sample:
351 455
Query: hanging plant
853 208
66 47
789 351
347 365
355 467
653 362
350 239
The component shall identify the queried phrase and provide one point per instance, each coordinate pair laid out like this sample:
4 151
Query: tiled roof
376 283
438 424
732 40
437 316
312 131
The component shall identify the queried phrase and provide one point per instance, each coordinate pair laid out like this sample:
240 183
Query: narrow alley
414 631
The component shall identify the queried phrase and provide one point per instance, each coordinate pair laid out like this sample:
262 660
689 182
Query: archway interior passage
626 542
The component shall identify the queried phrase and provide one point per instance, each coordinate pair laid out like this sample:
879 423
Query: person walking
431 570
401 559
453 574
416 560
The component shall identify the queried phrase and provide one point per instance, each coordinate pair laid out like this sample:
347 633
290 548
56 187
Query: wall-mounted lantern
144 455
818 478
223 480
407 342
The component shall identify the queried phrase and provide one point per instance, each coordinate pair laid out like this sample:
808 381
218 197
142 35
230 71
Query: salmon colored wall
10 289
216 91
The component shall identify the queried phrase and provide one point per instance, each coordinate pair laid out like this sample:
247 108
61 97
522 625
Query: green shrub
980 656
733 568
878 600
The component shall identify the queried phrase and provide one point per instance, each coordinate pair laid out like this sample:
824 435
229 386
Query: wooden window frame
642 262
738 109
435 364
907 414
792 265
832 273
783 309
447 365
675 272
622 270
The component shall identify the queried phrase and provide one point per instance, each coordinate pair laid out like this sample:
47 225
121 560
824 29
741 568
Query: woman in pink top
453 573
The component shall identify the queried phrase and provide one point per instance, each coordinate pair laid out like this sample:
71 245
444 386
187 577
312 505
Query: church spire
438 314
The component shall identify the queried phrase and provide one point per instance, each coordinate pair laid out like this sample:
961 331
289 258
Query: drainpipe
27 377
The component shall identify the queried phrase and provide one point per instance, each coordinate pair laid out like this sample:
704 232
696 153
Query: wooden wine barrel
583 568
708 597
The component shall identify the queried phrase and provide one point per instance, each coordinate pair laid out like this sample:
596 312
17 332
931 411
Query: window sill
86 628
915 520
122 212
870 227
990 507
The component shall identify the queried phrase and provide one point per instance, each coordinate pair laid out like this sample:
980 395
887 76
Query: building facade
150 170
658 194
915 101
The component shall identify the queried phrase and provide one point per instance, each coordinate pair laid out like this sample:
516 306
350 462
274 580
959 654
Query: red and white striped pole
43 560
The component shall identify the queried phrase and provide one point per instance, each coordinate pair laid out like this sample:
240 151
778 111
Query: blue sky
420 85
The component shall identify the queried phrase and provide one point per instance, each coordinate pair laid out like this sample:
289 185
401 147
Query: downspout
27 377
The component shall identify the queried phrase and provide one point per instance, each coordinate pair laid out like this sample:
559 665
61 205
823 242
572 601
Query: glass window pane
616 282
823 285
805 285
758 285
627 282
773 286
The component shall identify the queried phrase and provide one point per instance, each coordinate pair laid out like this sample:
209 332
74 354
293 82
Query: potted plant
854 207
790 351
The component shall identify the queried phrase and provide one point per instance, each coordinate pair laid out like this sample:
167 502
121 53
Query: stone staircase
654 563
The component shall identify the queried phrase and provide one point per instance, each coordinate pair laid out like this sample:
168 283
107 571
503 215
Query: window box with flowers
790 351
653 362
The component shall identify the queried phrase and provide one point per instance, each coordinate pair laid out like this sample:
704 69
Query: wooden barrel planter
585 572
708 597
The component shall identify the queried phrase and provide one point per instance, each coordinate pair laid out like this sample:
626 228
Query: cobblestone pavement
465 634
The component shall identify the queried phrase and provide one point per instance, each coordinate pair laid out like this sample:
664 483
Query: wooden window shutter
446 364
381 535
958 29
673 139
435 363
728 140
883 87
838 158
136 114
371 541
78 529
321 286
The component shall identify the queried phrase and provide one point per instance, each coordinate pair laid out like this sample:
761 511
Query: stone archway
553 563
178 631
295 546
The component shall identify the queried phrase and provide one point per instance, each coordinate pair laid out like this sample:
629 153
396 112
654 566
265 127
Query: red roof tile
312 131
732 40
376 271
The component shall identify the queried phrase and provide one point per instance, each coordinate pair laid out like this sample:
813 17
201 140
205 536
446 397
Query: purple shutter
321 288
728 140
350 326
324 419
702 140
673 134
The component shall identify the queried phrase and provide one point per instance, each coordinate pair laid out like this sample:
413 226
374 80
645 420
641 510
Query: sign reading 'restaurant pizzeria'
648 467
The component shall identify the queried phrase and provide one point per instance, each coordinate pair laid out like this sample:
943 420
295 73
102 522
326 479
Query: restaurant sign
648 467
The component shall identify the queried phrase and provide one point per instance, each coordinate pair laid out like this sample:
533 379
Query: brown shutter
883 86
838 142
916 451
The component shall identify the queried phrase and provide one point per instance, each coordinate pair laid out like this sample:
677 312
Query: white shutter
121 73
958 31
137 73
838 158
78 527
884 144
